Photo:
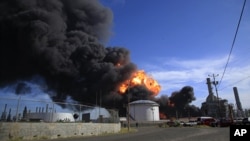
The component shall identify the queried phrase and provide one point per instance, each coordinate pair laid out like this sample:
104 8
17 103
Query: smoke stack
238 103
4 114
47 108
209 86
9 115
5 107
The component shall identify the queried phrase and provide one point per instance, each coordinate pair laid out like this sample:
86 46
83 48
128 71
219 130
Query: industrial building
96 114
46 114
144 110
214 106
220 108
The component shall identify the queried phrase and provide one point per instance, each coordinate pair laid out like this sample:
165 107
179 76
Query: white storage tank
51 117
144 110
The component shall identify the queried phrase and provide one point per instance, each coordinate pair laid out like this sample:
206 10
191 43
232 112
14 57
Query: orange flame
163 116
171 104
141 78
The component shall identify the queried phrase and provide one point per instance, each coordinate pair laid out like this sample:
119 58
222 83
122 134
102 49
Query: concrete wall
29 131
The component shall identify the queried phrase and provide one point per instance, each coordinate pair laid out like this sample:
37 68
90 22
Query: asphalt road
163 134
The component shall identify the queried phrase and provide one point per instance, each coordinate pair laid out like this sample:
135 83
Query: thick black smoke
183 97
178 104
62 41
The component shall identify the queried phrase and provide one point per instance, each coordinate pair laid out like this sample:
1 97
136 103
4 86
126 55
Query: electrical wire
235 35
235 83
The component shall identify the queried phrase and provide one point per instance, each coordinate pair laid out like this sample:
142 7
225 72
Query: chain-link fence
28 110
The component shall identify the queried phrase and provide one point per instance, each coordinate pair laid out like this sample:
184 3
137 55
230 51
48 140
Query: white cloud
173 74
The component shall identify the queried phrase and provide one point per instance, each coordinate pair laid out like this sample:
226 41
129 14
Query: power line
235 82
235 35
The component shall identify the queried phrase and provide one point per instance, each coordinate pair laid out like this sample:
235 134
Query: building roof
148 102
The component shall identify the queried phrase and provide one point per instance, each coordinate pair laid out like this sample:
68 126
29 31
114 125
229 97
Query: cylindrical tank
144 110
51 117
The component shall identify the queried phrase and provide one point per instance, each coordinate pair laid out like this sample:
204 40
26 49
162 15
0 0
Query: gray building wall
29 131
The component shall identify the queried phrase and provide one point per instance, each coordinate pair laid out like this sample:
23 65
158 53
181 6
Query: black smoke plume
178 104
62 41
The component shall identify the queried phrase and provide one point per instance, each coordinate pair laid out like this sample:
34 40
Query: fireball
140 78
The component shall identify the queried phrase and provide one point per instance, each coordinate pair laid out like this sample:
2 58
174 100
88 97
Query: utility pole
128 107
215 83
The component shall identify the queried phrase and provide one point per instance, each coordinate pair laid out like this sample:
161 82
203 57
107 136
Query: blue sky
181 42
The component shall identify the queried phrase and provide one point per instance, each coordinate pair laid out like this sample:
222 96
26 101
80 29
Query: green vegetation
125 130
